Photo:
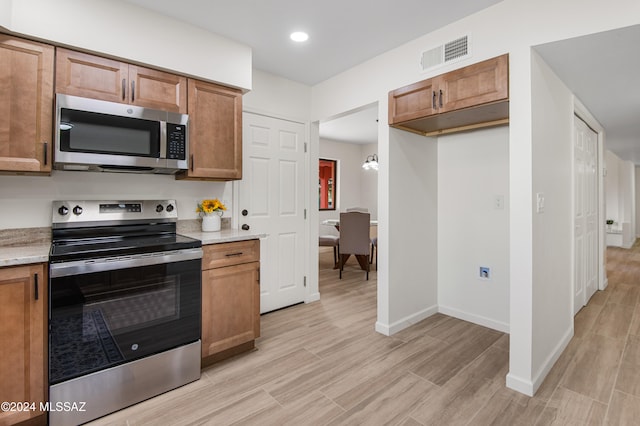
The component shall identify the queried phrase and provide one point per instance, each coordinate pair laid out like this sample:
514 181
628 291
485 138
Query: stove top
84 230
119 246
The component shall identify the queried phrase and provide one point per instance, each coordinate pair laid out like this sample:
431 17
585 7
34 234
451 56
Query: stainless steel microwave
95 135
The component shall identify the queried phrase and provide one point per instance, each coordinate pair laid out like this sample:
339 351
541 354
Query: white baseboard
530 387
389 329
314 297
520 385
539 377
476 319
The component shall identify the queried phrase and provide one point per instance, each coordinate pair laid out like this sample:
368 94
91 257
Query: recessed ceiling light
299 36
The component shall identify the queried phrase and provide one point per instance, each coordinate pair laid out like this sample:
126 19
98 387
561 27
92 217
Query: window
327 184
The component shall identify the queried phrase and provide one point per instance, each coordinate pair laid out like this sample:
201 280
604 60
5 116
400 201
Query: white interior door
586 213
272 197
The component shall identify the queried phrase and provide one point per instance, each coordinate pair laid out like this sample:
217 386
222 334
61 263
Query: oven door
105 312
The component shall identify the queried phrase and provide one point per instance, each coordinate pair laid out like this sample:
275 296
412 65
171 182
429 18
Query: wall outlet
498 202
484 273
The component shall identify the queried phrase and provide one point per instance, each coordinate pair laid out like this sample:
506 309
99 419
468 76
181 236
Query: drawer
227 254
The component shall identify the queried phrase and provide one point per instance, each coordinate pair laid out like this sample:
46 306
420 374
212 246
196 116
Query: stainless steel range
124 310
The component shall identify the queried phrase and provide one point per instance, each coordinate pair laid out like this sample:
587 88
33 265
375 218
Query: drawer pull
234 254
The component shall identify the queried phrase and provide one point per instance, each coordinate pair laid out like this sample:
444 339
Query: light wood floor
323 363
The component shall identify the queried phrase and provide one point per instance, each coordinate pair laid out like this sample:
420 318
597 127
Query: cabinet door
80 74
230 307
157 89
26 105
476 84
22 333
215 132
414 101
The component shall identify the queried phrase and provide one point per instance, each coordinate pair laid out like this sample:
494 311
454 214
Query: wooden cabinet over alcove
471 97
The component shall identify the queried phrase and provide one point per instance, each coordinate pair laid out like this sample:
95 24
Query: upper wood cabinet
90 76
26 105
23 324
215 132
470 97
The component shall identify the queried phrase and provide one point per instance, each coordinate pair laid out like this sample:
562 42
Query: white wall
278 97
369 181
25 201
473 170
408 250
612 186
511 26
123 30
620 184
552 159
6 8
627 202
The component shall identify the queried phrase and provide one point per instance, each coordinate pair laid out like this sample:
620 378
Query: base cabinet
23 295
230 298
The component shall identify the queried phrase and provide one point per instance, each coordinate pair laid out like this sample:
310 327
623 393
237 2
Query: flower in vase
210 206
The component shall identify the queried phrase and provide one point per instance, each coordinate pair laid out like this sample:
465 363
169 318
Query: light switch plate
540 202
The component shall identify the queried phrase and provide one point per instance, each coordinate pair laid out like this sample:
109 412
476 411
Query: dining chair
358 209
331 241
374 251
354 239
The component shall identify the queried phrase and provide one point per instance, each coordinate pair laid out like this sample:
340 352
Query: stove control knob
63 210
170 208
77 210
159 208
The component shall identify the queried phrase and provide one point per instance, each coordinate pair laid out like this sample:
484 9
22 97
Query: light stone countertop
24 255
222 236
39 252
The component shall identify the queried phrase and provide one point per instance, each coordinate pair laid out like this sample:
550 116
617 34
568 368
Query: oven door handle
79 267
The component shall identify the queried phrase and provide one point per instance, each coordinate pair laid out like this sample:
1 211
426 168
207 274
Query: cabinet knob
245 227
245 212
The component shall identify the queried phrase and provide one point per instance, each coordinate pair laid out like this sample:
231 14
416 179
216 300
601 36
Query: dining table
363 259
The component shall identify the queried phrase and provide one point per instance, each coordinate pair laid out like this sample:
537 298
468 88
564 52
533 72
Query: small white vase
211 222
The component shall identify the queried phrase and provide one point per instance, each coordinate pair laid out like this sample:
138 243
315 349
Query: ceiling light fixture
299 36
371 163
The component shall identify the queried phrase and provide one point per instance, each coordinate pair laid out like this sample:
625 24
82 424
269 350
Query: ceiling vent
452 51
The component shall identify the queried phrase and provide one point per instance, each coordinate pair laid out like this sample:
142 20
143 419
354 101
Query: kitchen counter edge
24 255
223 236
39 253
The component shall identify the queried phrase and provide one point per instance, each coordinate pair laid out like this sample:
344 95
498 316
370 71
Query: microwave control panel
176 141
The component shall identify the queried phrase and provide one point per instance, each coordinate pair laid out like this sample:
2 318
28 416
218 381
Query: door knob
245 227
245 212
